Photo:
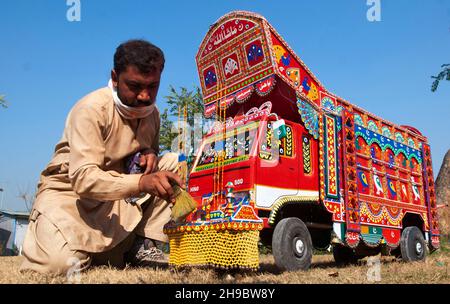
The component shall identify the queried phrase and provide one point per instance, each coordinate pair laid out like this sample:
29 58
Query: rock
229 278
442 185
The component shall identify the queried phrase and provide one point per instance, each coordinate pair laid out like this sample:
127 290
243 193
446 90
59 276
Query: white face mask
128 112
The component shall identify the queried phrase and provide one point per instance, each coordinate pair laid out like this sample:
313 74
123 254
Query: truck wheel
344 255
412 245
292 245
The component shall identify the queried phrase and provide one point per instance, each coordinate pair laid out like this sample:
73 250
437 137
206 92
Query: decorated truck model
294 165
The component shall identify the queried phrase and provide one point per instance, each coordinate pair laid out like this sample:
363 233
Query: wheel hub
419 248
299 247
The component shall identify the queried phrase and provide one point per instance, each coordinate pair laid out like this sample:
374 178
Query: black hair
145 56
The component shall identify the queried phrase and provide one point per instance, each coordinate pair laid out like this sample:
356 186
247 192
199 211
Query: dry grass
436 269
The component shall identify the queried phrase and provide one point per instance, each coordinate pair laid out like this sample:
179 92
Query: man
84 212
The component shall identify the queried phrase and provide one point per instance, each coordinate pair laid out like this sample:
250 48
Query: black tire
412 245
344 255
291 245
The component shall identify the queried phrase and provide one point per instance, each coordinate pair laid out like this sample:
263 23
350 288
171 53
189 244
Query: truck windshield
235 146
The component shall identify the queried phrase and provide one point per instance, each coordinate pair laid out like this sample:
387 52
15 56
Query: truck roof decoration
243 55
238 56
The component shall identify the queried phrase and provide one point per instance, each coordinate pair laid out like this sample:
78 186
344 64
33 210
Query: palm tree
183 106
3 102
192 101
166 136
444 74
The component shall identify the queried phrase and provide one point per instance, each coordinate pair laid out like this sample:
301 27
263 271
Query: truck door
276 173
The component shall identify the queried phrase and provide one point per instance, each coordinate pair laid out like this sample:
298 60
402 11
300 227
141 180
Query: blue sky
48 63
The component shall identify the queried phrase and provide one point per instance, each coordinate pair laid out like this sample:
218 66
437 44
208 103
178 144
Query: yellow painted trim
288 199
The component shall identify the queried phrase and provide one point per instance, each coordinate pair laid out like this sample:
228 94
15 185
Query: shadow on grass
148 265
271 268
268 268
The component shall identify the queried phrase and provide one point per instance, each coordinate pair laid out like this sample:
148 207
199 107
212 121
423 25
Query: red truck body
355 180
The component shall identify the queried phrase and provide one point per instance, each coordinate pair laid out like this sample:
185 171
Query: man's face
136 89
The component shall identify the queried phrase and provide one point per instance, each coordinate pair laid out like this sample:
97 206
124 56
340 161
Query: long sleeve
86 128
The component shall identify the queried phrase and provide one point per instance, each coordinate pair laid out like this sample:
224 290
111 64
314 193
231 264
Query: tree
177 101
27 197
166 136
3 102
183 105
444 74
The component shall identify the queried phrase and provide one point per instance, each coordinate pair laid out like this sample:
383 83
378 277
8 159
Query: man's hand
149 162
160 184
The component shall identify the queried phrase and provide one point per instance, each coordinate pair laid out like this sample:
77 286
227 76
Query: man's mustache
138 103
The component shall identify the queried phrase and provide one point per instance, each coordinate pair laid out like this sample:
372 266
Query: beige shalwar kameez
81 209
